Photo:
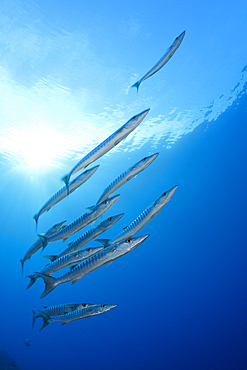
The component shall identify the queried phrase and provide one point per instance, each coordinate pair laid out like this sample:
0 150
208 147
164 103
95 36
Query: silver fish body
147 215
99 259
163 60
90 235
38 244
60 309
107 144
81 222
64 261
62 193
76 315
126 176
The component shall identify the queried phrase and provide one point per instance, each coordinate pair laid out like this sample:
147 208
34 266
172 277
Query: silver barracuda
107 144
163 60
60 309
126 176
88 236
38 244
76 315
101 258
62 193
80 222
67 260
142 219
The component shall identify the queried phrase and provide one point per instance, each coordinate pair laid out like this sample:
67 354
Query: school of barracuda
83 261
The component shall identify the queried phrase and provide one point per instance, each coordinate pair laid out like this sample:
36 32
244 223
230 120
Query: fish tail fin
34 318
65 179
137 84
46 318
49 283
51 257
36 217
32 278
43 239
105 242
22 265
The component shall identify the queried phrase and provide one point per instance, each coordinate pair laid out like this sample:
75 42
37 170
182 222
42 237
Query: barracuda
163 60
60 309
88 236
76 315
107 144
101 258
67 260
142 219
126 176
80 222
62 193
38 244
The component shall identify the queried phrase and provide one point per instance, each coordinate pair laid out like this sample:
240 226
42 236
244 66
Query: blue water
181 295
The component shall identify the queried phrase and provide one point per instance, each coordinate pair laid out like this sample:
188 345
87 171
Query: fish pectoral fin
75 281
108 264
63 323
64 239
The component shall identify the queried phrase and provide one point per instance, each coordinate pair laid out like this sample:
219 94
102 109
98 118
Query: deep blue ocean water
181 295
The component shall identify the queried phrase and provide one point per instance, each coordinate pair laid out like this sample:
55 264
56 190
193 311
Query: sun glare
35 147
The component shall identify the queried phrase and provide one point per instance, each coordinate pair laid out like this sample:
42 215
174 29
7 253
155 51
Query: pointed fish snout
172 190
140 239
143 114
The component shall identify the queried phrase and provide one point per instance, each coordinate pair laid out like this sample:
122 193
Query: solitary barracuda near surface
126 176
107 144
99 259
38 244
80 222
163 60
67 260
76 315
62 193
88 236
60 309
142 219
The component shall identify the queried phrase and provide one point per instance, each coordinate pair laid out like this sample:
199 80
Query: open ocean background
66 70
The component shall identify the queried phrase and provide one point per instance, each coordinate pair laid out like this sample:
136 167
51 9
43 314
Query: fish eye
88 249
145 158
164 193
103 305
128 240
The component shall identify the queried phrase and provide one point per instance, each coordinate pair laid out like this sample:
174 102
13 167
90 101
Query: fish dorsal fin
105 242
73 266
91 208
51 257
